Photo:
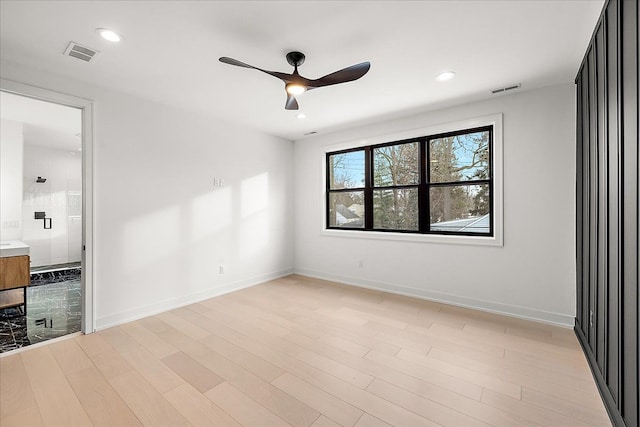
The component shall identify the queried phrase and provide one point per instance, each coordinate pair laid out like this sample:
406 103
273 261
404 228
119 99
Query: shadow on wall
203 225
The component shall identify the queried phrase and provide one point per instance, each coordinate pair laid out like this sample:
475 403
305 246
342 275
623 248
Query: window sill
416 238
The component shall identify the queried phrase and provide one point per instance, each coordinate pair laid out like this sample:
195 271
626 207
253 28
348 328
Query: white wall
63 172
162 228
11 155
532 275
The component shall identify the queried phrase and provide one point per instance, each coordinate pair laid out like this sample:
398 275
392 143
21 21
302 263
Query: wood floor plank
299 313
248 361
242 408
264 393
368 421
149 340
149 406
326 330
159 375
334 408
18 405
530 415
561 367
323 421
188 328
505 369
197 409
401 340
440 414
385 319
250 327
346 373
99 399
307 341
193 372
526 341
482 380
434 376
51 390
70 356
93 344
103 356
589 413
441 336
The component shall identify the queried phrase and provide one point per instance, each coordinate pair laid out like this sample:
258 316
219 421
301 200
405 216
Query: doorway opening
45 216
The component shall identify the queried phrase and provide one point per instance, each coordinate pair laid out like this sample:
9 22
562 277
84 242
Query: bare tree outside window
438 184
396 166
459 159
346 171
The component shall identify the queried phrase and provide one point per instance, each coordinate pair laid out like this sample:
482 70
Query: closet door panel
601 201
613 206
629 39
593 198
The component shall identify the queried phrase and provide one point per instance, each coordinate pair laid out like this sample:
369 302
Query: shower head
41 180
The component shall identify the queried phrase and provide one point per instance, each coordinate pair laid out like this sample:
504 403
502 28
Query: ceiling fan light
295 89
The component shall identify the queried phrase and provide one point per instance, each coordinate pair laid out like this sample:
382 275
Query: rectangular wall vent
81 52
504 89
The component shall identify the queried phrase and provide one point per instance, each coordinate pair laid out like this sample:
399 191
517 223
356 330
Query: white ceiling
170 52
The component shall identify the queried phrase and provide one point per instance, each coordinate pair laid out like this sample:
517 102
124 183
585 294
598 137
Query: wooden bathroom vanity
14 275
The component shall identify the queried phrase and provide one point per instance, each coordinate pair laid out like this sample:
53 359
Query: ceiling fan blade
291 104
348 74
282 76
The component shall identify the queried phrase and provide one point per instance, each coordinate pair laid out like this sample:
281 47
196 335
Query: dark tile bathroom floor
54 301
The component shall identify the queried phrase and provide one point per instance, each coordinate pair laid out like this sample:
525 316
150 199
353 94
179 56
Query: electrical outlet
221 269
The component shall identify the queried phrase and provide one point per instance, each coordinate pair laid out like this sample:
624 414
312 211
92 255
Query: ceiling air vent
504 89
81 52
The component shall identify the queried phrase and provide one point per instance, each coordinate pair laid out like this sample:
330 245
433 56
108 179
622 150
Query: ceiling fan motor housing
295 59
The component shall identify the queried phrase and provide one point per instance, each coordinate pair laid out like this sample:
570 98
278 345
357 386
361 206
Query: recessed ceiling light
109 35
447 75
301 115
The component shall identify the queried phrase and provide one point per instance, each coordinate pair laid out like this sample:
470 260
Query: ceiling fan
295 84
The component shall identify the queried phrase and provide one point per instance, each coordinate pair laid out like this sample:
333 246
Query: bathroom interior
40 221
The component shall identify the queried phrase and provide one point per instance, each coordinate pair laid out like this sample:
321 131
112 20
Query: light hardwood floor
305 352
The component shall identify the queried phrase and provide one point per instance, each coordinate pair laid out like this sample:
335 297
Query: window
439 184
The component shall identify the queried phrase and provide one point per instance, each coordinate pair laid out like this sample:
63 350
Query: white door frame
86 106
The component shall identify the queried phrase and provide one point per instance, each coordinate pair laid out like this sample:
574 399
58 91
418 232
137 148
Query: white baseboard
173 303
557 319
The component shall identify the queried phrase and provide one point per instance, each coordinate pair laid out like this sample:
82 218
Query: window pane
346 170
395 165
460 208
460 158
395 209
346 209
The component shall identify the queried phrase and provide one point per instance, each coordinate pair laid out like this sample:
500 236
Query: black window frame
424 184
